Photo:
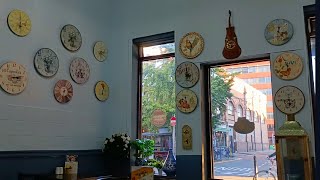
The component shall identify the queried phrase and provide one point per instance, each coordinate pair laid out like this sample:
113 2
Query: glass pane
158 49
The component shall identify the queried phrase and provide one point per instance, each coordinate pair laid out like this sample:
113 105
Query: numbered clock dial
288 66
278 32
101 91
13 77
186 101
187 74
71 38
289 99
100 51
191 45
79 70
63 91
46 62
19 22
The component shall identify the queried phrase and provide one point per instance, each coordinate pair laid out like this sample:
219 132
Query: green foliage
155 163
144 147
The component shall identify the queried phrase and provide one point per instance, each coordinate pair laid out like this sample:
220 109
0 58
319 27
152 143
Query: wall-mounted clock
101 90
186 137
63 91
71 38
278 32
19 22
186 101
191 45
13 78
187 74
46 62
289 99
288 66
79 70
100 51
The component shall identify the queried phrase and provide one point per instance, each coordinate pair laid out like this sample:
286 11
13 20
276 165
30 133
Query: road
242 165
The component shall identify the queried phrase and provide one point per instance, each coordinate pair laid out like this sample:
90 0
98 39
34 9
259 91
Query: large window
240 111
230 108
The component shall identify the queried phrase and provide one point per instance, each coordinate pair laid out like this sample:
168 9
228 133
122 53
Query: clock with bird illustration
187 74
79 70
46 62
19 22
289 99
288 66
101 90
100 51
191 45
71 38
186 101
63 91
13 77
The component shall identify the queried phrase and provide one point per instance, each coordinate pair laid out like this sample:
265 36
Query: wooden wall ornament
288 66
186 137
278 32
63 91
13 77
231 48
186 101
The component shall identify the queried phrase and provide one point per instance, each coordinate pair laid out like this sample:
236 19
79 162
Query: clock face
46 62
187 74
63 91
19 22
186 101
100 51
71 38
13 78
191 45
79 70
289 99
101 90
288 66
278 32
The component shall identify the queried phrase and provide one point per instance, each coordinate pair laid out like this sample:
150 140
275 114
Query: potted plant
157 164
144 148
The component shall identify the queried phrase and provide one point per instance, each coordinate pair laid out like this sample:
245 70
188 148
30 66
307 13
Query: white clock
46 62
289 99
71 38
187 74
79 70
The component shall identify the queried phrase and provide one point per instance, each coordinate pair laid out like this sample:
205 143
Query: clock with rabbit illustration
46 62
288 66
191 45
101 90
19 22
289 99
63 91
71 38
187 74
79 70
100 51
278 32
186 101
13 77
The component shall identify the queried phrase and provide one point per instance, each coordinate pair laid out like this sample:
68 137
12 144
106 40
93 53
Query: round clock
186 101
63 91
278 32
100 51
79 70
191 45
101 90
187 74
19 22
71 38
288 66
46 62
13 78
289 99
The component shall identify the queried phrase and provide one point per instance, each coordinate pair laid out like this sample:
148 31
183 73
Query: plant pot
140 162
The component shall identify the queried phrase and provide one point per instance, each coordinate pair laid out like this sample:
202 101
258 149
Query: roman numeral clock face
289 99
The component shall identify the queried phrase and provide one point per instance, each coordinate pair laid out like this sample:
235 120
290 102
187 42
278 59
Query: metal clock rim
62 40
70 70
10 26
94 50
265 29
95 91
304 100
195 107
197 77
300 58
34 63
202 45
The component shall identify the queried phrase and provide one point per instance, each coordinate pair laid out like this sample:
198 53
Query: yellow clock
191 45
101 90
100 51
13 77
19 22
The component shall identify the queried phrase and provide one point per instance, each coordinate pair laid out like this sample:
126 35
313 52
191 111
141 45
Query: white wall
34 120
209 18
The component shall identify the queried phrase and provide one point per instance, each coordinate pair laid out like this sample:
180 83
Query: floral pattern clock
288 66
100 51
101 90
63 91
13 77
19 22
79 70
278 32
46 62
187 74
289 99
186 101
191 45
71 38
